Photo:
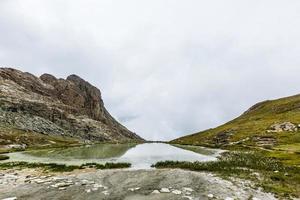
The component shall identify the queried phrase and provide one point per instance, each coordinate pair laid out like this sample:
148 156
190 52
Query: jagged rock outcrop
47 105
281 127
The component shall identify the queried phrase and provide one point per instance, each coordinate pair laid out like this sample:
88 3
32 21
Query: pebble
62 184
106 193
156 192
40 181
134 189
210 196
88 190
58 179
254 198
165 190
177 192
188 189
229 198
10 198
98 186
78 183
188 197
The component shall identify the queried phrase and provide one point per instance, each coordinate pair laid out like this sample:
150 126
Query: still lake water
141 156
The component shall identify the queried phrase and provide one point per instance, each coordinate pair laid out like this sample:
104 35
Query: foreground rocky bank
124 184
48 110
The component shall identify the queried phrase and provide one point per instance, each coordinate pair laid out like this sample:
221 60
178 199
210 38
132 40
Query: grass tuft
53 167
4 157
275 177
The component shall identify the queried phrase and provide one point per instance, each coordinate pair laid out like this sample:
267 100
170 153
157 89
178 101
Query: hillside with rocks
51 107
271 125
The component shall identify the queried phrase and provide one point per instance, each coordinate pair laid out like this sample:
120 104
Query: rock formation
281 127
51 106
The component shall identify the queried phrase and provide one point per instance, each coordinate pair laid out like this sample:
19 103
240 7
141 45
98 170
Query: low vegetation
268 173
107 165
250 129
31 140
53 167
277 153
4 157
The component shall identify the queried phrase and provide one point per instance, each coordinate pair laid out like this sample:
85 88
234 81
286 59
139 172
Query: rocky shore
124 184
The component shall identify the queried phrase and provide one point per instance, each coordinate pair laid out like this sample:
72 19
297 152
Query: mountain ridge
70 107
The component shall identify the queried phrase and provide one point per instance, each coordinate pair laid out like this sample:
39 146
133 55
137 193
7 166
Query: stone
229 198
286 174
210 196
187 197
156 192
98 186
17 146
188 189
280 127
40 181
134 189
254 198
62 184
177 192
106 193
88 191
10 198
165 190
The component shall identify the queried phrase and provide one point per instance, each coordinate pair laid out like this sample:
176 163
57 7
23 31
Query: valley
58 141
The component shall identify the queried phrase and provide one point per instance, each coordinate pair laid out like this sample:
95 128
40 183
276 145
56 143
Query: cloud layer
165 68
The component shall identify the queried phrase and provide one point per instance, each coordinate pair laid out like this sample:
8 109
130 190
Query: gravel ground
172 184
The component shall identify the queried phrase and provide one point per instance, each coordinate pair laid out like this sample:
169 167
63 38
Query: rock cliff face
51 106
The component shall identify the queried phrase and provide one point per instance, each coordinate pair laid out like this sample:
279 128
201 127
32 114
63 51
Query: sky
166 68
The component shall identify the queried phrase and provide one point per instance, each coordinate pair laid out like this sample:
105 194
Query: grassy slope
10 135
242 135
254 123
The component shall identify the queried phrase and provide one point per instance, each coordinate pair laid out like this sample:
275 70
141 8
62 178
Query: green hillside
253 130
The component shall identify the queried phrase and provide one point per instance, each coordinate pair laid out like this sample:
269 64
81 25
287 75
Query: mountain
269 124
57 108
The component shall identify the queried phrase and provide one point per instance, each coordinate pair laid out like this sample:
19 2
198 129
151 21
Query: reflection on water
141 156
100 151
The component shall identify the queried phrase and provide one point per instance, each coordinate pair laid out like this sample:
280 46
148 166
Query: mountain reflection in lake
141 156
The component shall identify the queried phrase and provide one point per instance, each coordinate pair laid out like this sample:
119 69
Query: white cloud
167 68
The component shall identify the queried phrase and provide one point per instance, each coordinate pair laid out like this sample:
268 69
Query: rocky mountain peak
70 106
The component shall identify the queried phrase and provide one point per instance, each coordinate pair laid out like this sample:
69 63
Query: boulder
281 127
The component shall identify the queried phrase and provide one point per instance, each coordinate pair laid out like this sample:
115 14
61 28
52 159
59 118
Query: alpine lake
141 156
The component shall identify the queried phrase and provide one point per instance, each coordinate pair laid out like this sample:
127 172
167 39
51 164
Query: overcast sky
166 68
